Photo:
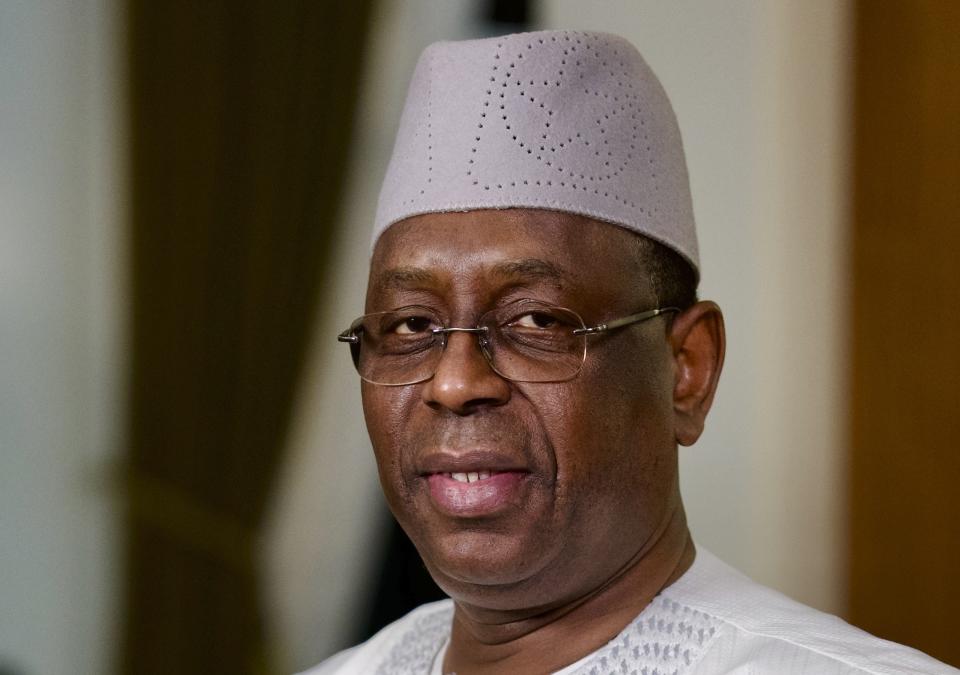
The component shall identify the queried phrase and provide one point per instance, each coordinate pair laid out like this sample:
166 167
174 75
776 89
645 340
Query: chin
481 568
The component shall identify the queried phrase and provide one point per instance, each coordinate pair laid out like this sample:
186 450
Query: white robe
712 620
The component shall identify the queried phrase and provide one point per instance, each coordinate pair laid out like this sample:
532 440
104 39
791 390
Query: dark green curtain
240 123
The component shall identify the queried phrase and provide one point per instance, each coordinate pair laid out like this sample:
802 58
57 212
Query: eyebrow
404 277
532 268
520 270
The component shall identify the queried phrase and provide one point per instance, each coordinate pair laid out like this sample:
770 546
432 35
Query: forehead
553 248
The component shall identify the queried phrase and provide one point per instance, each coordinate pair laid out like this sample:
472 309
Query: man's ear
698 342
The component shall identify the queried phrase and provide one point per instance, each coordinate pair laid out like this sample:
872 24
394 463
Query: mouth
470 476
473 484
475 494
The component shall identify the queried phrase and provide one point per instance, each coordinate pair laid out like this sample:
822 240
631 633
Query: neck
491 642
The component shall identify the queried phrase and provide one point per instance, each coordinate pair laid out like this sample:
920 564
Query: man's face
582 474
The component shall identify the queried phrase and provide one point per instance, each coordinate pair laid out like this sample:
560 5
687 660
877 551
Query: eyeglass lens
526 341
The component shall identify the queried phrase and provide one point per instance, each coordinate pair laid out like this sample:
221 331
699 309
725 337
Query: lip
466 461
484 497
479 498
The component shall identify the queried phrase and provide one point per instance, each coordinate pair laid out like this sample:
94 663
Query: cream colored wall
61 279
760 92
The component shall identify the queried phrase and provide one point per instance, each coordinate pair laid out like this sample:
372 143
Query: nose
464 381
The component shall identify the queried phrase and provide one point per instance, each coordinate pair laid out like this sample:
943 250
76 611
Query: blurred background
186 194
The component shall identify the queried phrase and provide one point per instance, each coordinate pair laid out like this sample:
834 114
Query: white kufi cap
561 120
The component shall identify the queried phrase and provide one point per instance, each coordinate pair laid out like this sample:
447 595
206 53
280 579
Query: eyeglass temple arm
348 336
625 321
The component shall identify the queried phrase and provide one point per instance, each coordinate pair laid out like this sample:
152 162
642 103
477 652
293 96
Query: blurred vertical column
905 464
241 118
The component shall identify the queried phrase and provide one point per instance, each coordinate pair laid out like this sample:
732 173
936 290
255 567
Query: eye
541 320
413 325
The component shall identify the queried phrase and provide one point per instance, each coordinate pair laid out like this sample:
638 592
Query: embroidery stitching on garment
419 644
667 638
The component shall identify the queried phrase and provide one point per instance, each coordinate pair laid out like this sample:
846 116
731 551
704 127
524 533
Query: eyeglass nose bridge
482 333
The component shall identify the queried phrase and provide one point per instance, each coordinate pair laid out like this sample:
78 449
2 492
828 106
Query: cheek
385 412
617 435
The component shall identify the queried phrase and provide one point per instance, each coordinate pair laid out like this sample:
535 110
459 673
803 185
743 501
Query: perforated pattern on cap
564 120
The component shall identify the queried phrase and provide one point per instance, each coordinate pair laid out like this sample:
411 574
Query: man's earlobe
698 342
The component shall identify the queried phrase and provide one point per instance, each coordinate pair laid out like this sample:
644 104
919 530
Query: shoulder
765 631
408 644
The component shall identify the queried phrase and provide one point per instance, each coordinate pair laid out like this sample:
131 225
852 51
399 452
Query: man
533 353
